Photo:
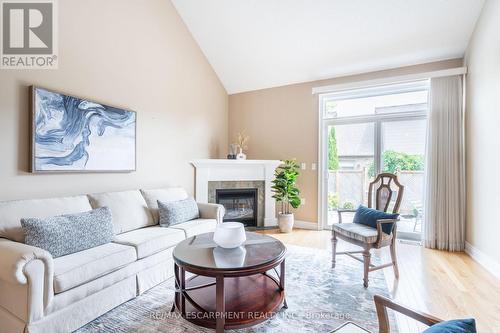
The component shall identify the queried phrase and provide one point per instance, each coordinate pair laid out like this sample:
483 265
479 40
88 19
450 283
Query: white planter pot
285 222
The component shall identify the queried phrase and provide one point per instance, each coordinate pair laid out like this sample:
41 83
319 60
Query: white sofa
39 293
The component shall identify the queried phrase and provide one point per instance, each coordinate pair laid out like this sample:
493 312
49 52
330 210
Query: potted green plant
286 193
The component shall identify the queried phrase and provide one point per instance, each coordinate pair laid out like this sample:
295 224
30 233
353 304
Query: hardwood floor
446 285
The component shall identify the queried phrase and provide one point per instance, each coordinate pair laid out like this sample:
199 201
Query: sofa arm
212 211
22 264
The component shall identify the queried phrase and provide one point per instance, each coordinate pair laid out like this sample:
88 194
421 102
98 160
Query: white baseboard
305 225
483 259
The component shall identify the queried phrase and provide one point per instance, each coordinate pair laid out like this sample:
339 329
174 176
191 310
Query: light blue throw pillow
66 234
175 212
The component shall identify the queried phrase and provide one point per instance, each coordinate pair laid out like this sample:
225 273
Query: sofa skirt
84 311
155 275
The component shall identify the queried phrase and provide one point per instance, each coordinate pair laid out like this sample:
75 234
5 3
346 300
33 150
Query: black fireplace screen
240 204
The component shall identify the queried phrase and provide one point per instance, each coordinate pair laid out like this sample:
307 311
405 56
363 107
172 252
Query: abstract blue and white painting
72 134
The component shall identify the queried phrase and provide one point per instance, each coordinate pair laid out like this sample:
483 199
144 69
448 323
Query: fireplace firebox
240 204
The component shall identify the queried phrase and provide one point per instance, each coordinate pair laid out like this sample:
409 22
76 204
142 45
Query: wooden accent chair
380 192
382 303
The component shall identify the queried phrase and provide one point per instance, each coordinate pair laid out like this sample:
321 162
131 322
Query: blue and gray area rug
319 300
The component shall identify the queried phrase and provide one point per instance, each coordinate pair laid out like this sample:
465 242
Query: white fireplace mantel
237 170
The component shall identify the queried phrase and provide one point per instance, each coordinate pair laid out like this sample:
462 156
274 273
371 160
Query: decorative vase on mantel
241 142
241 155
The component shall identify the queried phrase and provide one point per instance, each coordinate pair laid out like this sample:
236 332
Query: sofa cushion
66 234
164 195
148 241
175 212
11 212
359 232
81 267
196 227
129 209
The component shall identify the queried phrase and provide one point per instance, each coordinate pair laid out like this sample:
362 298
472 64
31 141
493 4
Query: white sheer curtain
444 226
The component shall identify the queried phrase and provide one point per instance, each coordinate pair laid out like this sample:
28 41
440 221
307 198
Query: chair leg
334 248
394 259
366 261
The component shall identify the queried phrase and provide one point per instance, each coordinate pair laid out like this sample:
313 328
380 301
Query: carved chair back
382 190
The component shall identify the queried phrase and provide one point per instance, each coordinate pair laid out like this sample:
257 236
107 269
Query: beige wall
482 132
283 123
135 54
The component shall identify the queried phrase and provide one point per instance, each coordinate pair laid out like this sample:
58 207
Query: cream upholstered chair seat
359 232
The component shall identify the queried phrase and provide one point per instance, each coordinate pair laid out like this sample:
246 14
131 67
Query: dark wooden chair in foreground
382 303
380 195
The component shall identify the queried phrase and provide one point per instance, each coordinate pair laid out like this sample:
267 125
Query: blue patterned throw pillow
453 326
369 217
175 212
66 234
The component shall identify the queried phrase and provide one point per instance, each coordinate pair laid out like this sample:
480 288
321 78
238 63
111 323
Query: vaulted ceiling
255 44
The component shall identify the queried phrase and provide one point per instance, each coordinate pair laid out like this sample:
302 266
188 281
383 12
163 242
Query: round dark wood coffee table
231 288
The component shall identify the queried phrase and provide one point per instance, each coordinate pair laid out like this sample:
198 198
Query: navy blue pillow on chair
454 326
369 217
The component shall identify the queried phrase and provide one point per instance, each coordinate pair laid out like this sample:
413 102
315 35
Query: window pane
403 153
350 166
372 105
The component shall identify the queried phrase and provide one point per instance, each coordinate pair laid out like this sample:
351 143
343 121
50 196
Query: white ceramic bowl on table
230 235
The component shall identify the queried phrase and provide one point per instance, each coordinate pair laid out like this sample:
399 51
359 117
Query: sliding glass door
368 131
403 153
350 165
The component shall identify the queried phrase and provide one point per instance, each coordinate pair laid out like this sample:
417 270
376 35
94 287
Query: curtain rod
389 80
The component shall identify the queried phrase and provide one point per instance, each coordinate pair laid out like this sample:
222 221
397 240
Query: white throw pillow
129 209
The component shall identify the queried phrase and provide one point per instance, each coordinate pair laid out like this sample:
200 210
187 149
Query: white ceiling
255 44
